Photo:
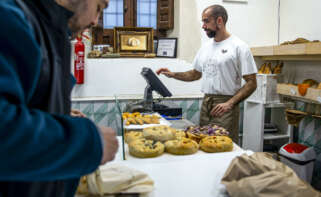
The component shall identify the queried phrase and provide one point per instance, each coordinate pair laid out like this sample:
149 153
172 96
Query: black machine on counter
148 104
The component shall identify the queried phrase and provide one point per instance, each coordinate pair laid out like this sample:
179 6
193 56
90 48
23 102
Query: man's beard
211 33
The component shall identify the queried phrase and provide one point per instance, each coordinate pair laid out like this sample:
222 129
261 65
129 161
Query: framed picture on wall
166 47
133 41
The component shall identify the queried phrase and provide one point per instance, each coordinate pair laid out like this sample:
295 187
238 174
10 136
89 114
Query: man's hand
110 144
77 113
220 109
165 72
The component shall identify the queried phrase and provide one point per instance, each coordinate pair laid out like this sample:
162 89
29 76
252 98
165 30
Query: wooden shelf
273 136
307 51
272 105
138 55
313 95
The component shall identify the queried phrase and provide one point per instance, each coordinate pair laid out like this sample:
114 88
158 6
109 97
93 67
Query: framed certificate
167 47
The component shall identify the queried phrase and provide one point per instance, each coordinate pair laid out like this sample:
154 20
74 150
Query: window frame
165 21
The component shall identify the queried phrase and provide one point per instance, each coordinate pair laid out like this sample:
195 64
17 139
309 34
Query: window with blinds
147 13
114 14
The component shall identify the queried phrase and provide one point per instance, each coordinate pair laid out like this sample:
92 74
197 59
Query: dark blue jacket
36 145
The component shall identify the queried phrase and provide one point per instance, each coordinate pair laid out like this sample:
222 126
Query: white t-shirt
223 64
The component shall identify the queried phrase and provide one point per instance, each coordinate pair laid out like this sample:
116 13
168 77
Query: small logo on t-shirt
224 51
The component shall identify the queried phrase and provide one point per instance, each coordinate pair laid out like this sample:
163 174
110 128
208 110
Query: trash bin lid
298 152
295 148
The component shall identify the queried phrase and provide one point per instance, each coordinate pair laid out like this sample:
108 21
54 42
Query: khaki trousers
229 120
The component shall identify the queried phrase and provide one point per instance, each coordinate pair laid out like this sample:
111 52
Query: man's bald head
217 11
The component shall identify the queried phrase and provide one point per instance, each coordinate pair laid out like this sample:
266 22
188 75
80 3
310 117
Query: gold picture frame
133 41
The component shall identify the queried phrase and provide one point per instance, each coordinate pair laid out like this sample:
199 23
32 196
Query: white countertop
197 175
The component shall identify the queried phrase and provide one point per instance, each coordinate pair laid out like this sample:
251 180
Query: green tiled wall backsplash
105 113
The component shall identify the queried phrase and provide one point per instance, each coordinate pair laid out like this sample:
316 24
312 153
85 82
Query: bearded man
222 62
43 150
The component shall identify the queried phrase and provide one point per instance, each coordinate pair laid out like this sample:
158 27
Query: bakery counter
186 175
193 175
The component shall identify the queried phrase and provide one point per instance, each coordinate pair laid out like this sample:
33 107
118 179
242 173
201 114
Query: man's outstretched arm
191 75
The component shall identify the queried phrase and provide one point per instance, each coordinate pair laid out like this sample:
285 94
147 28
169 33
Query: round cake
214 144
183 146
159 133
197 132
144 148
132 135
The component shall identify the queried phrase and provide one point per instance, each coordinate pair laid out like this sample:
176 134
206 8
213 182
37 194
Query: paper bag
114 179
260 175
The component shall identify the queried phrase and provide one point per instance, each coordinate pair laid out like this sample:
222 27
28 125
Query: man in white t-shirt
222 63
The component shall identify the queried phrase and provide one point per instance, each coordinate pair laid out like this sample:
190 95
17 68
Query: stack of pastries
140 119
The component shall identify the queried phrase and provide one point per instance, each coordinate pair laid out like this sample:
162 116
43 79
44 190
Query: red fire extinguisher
79 64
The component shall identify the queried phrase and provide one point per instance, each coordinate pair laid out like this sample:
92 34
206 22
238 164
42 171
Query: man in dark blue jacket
43 150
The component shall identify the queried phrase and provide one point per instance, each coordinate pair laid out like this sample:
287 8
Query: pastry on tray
197 132
182 146
140 119
132 135
144 148
159 133
214 144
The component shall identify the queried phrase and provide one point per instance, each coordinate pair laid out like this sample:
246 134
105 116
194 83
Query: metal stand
148 98
253 124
